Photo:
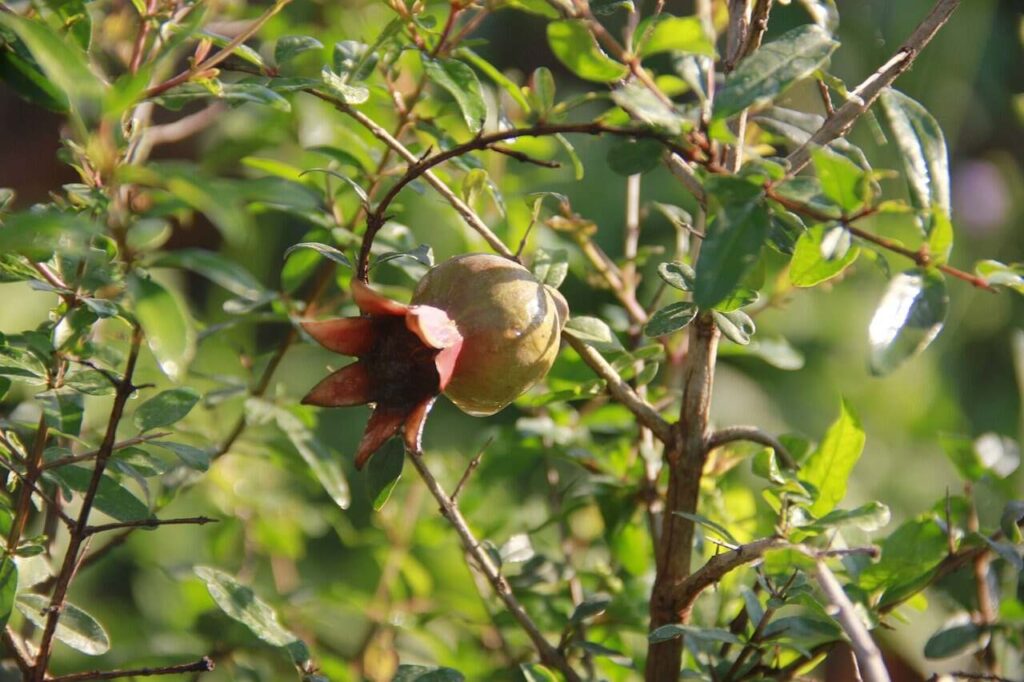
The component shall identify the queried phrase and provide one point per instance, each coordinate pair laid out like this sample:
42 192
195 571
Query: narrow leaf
76 628
670 319
909 317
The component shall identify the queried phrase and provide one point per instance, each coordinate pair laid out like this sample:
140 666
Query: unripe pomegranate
480 328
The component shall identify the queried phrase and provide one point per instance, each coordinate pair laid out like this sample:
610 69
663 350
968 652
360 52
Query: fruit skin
510 324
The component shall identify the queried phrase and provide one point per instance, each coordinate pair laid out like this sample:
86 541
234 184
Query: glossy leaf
574 46
350 94
677 275
1000 274
908 318
233 93
424 673
670 319
809 266
353 60
551 267
733 240
735 325
828 468
167 327
667 632
290 47
240 603
772 68
940 237
777 352
922 148
461 83
191 456
165 408
76 628
37 234
646 107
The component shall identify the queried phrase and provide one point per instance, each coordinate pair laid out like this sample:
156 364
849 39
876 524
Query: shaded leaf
216 268
384 471
593 332
168 330
8 588
736 325
959 639
63 409
424 673
670 319
500 79
667 632
646 107
112 498
290 47
772 68
677 275
191 456
165 408
323 249
627 157
676 34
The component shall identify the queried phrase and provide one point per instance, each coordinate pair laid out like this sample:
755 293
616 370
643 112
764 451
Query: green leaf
627 157
168 329
993 272
868 517
541 89
829 467
72 17
922 148
574 46
670 319
677 275
76 628
461 83
422 254
324 464
112 498
911 551
350 94
37 234
777 352
22 73
667 632
424 673
593 332
232 93
353 60
733 240
959 639
290 47
646 107
676 34
191 456
323 249
842 181
739 298
240 603
384 471
736 325
772 68
551 267
165 408
63 409
215 268
716 528
63 62
809 267
500 79
940 237
589 608
909 316
89 382
8 588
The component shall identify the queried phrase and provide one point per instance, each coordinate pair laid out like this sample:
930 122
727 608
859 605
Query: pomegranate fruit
480 328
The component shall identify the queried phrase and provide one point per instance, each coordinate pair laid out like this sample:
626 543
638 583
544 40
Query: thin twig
548 654
753 434
21 657
720 565
145 24
621 390
203 665
32 472
524 158
151 523
869 658
85 456
470 468
865 94
79 535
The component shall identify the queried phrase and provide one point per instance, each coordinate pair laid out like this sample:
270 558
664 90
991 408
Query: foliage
169 499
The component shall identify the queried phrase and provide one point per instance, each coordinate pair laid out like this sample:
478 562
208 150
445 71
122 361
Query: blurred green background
281 530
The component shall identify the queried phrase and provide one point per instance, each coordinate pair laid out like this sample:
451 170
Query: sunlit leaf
908 318
809 266
675 34
290 47
63 409
461 83
842 181
8 588
828 468
492 72
76 628
593 332
574 46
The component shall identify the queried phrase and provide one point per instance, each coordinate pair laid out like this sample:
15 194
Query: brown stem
203 665
753 434
685 459
32 472
79 534
141 36
151 523
85 456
